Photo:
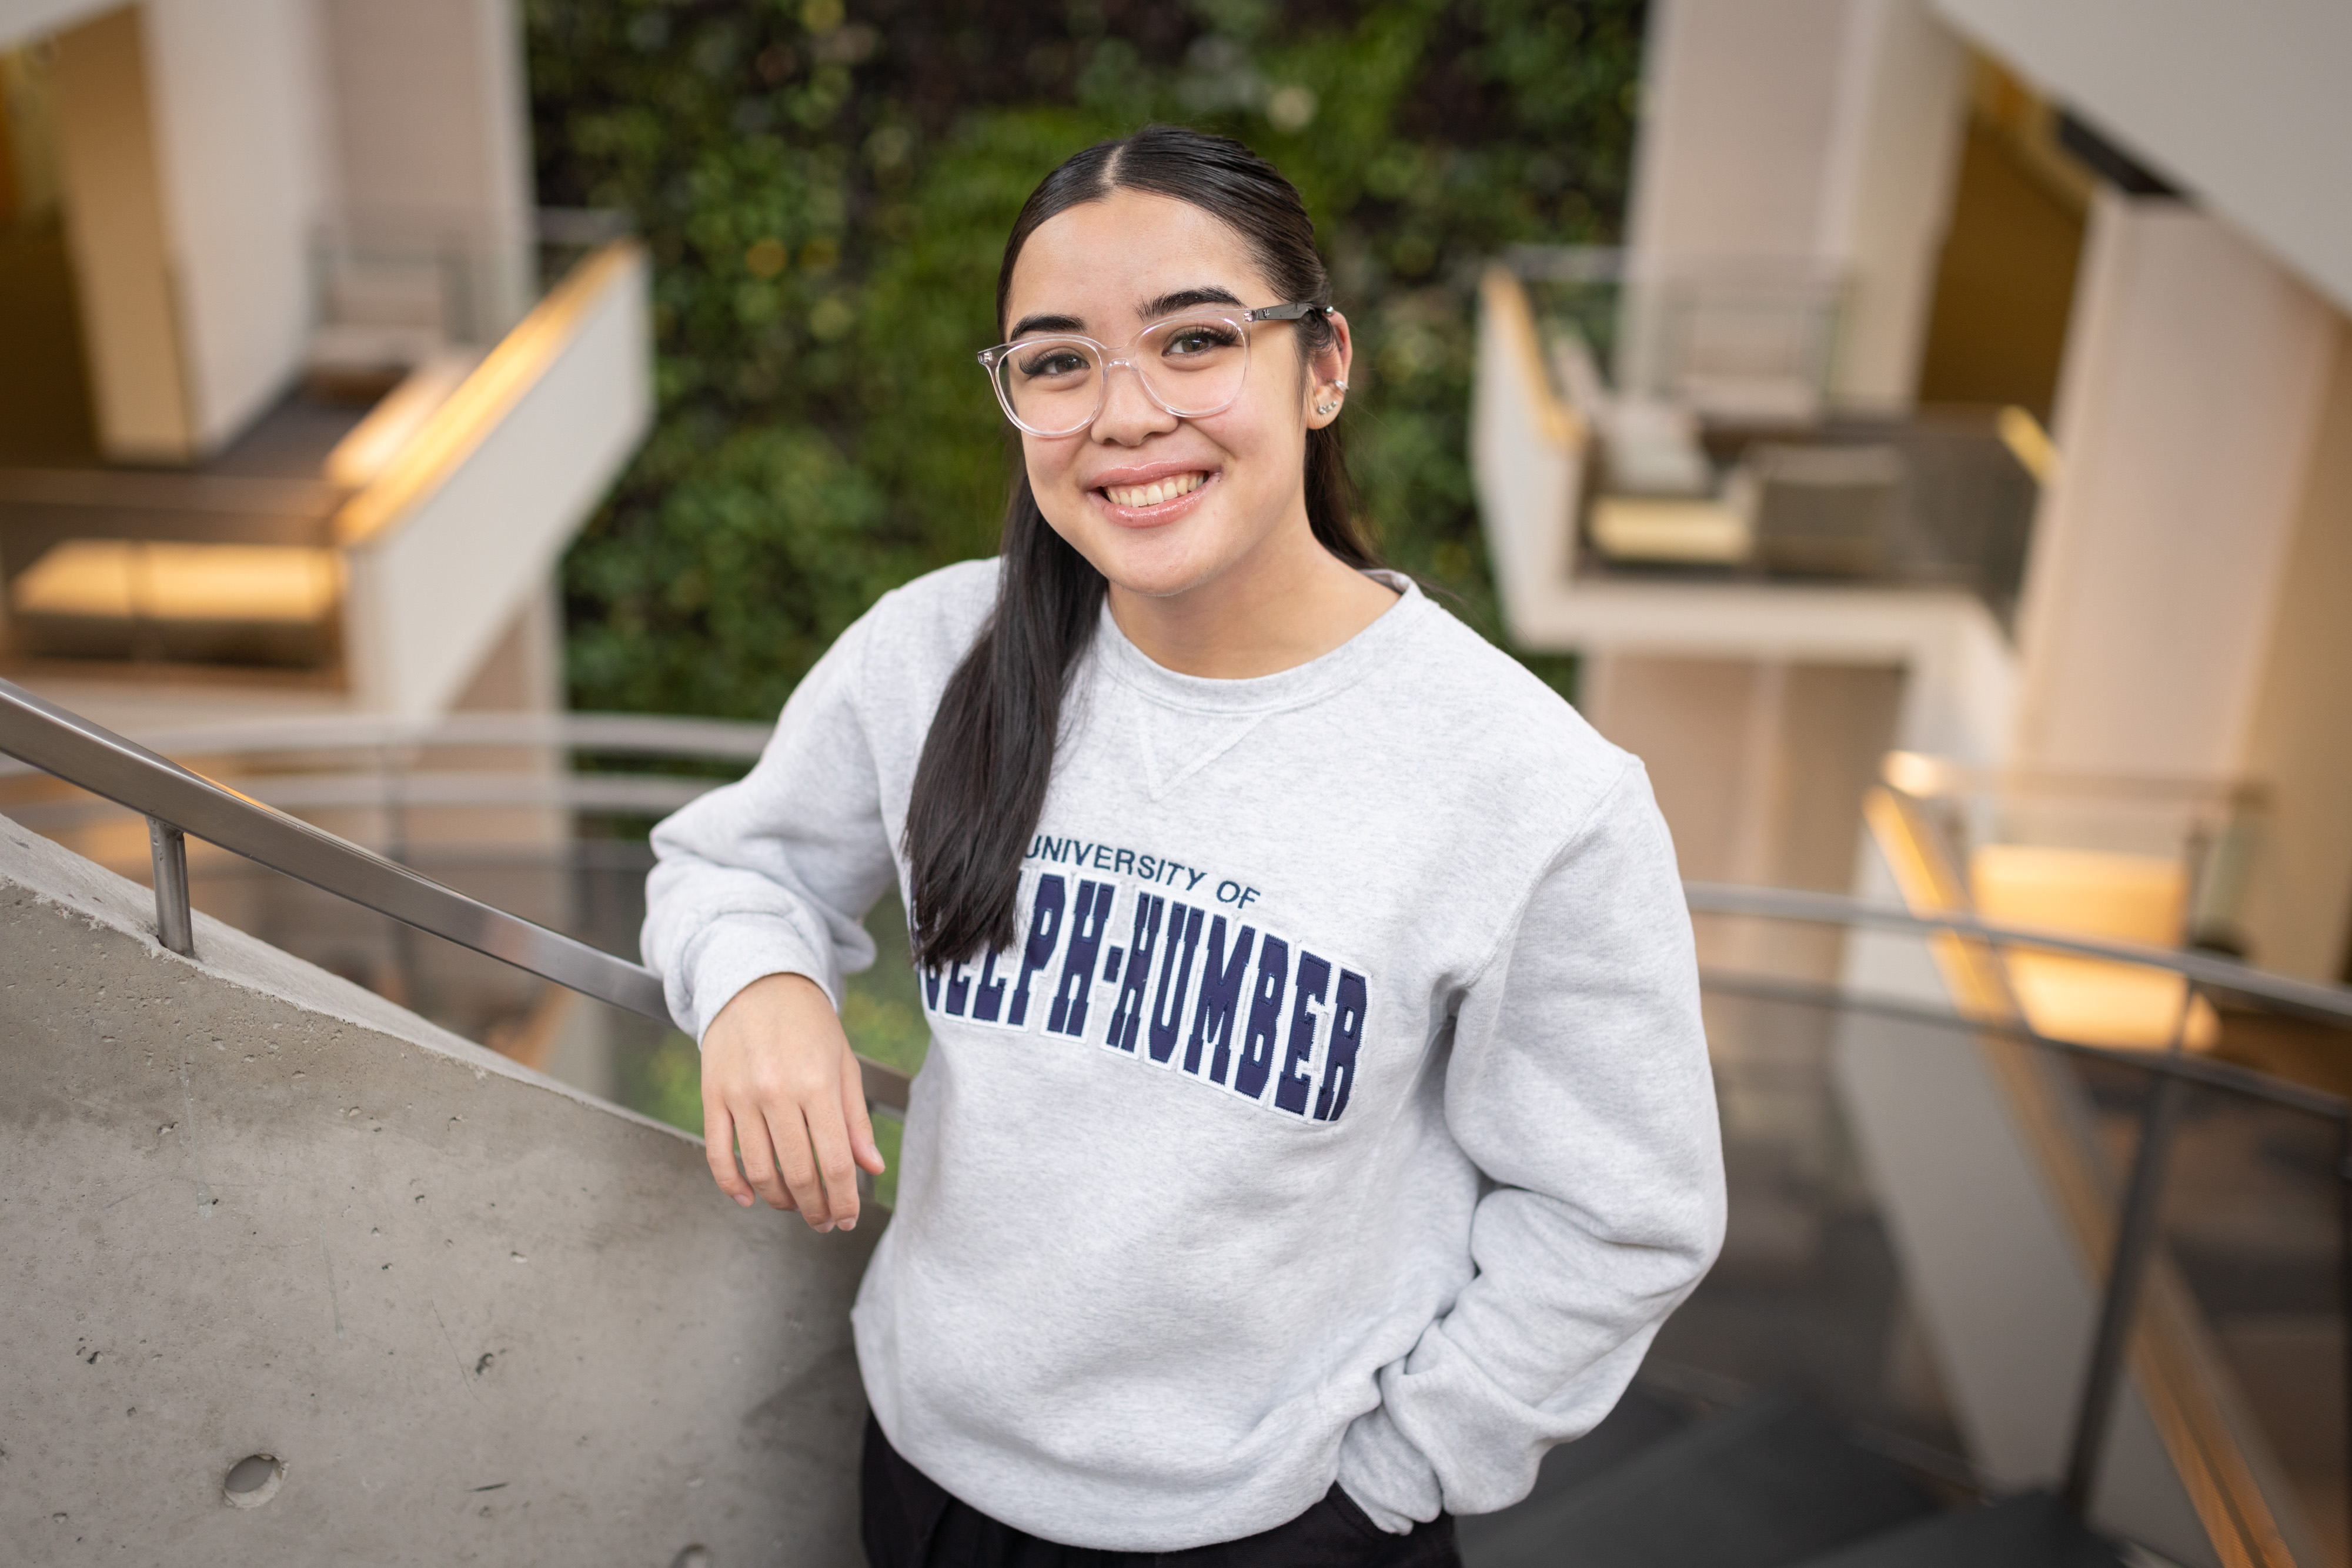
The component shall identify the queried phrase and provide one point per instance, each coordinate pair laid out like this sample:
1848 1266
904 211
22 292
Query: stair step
2032 1529
1767 1484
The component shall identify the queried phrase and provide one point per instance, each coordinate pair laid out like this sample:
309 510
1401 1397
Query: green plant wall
826 191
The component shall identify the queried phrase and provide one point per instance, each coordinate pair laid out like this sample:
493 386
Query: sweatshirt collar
1318 678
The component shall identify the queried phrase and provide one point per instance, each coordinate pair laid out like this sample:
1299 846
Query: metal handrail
177 802
1838 909
642 735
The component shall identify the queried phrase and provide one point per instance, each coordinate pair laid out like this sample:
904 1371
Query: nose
1128 416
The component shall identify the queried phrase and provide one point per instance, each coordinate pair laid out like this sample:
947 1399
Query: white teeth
1153 493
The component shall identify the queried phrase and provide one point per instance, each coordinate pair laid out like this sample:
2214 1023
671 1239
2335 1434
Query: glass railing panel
1811 1296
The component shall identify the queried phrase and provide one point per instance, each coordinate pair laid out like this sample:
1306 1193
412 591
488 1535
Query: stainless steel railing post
175 927
2138 1232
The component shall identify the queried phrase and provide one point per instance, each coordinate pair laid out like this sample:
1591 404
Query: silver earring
1333 406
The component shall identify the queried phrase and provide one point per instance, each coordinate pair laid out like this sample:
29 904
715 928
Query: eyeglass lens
1191 367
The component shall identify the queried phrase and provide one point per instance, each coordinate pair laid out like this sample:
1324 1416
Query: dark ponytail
980 785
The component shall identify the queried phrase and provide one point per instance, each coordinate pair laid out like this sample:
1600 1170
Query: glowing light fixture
128 580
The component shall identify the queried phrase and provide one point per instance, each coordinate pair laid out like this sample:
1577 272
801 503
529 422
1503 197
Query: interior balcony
1662 469
366 541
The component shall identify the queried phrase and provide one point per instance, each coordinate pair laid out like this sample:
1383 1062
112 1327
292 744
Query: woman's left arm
1578 1082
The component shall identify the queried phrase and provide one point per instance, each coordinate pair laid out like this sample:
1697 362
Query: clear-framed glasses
1191 365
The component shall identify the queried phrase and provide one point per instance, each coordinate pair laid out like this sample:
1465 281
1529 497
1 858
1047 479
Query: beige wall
187 138
1815 131
118 232
2299 902
2187 412
1759 768
238 127
432 133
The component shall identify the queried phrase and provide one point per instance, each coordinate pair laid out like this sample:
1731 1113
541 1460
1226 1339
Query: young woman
1316 1124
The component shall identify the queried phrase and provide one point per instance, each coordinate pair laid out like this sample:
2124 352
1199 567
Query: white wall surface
1816 130
2245 105
1894 156
239 126
430 128
431 595
2187 407
1739 105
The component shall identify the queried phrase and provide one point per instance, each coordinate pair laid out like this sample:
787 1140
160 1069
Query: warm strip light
376 440
124 580
461 424
2028 442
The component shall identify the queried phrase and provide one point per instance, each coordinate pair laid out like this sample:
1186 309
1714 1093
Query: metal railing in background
2136 1242
177 801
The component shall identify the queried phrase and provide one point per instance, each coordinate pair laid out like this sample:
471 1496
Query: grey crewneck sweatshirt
1341 1109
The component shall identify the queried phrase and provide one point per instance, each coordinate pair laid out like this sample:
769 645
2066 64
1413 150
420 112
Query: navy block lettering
1110 964
988 1000
1078 982
1221 999
959 989
1290 1090
1126 1013
1175 978
1264 1019
1044 931
1347 1034
932 987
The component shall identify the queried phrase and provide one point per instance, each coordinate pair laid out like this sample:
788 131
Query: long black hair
981 784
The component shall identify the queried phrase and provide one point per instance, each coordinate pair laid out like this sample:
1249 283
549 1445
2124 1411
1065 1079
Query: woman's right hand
780 1081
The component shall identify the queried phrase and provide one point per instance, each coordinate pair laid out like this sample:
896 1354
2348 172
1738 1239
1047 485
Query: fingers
782 1088
766 1159
829 1139
719 1147
862 1146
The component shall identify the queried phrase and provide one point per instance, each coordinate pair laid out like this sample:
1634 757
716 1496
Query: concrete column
1818 132
2298 910
187 136
433 140
2187 414
119 239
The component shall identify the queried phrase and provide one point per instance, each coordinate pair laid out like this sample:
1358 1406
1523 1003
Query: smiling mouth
1155 492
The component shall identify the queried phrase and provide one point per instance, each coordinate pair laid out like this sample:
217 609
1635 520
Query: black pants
911 1522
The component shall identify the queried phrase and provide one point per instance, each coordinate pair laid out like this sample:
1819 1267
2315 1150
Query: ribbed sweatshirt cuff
735 952
1387 1476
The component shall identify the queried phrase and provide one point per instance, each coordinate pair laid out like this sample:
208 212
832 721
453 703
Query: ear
1326 374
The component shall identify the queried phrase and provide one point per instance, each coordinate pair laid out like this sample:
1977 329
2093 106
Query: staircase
1768 1482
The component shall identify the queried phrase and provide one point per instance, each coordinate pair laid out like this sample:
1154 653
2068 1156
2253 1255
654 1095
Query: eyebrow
1184 300
1029 324
1152 310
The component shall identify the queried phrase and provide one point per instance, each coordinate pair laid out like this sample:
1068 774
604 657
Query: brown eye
1058 360
1199 337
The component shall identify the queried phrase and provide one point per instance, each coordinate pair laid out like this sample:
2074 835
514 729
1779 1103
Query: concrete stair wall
248 1210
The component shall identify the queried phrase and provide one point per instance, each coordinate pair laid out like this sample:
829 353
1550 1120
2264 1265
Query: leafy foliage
826 192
